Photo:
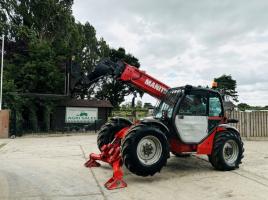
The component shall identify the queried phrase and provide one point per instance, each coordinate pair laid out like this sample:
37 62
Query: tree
38 44
103 48
114 90
41 37
265 107
126 106
227 85
86 58
90 53
139 104
243 106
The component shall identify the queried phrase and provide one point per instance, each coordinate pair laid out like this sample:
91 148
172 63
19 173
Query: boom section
143 81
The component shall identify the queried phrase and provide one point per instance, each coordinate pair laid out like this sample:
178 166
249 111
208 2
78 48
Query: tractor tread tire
216 158
129 150
107 133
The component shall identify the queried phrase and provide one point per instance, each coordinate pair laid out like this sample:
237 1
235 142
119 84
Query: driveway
52 168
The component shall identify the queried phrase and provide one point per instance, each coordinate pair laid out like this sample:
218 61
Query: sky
189 42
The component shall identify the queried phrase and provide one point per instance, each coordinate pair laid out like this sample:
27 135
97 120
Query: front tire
107 133
145 150
227 151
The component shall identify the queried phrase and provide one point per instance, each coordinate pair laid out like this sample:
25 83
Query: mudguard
206 146
229 127
158 124
121 120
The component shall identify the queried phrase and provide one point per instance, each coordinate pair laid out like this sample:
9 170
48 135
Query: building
79 114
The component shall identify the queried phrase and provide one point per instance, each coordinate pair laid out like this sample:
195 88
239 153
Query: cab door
191 120
216 113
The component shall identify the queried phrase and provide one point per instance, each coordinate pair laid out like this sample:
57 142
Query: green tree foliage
243 106
86 57
265 107
42 37
89 55
125 106
227 85
114 90
139 104
39 41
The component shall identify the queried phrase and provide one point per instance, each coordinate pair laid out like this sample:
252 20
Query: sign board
81 115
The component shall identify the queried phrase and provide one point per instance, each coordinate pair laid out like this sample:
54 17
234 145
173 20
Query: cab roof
193 88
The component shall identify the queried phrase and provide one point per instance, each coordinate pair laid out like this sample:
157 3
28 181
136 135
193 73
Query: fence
251 124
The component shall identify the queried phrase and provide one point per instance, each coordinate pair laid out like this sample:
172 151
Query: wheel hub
230 152
149 150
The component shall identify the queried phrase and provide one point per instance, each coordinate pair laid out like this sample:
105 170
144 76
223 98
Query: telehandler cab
186 120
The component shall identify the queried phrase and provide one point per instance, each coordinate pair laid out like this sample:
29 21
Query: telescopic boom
128 74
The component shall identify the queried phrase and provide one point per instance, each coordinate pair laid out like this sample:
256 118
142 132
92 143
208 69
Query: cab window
193 104
215 108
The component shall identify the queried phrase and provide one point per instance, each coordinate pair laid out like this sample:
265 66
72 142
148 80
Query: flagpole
2 65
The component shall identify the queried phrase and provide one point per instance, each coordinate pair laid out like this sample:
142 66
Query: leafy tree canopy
42 42
243 106
114 90
227 85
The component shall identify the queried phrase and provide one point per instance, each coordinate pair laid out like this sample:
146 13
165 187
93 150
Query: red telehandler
186 120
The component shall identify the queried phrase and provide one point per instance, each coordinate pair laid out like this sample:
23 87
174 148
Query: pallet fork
110 153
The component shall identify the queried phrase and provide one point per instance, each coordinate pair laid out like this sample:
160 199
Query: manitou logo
155 85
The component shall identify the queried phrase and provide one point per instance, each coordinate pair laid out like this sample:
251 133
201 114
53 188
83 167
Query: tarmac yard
52 168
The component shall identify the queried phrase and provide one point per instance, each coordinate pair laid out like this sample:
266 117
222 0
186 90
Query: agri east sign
81 115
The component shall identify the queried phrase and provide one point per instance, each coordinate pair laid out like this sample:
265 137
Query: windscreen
168 103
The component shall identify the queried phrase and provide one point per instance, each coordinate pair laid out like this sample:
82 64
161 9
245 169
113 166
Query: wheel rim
149 150
230 152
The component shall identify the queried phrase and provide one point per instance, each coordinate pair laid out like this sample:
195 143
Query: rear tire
145 150
107 133
227 151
